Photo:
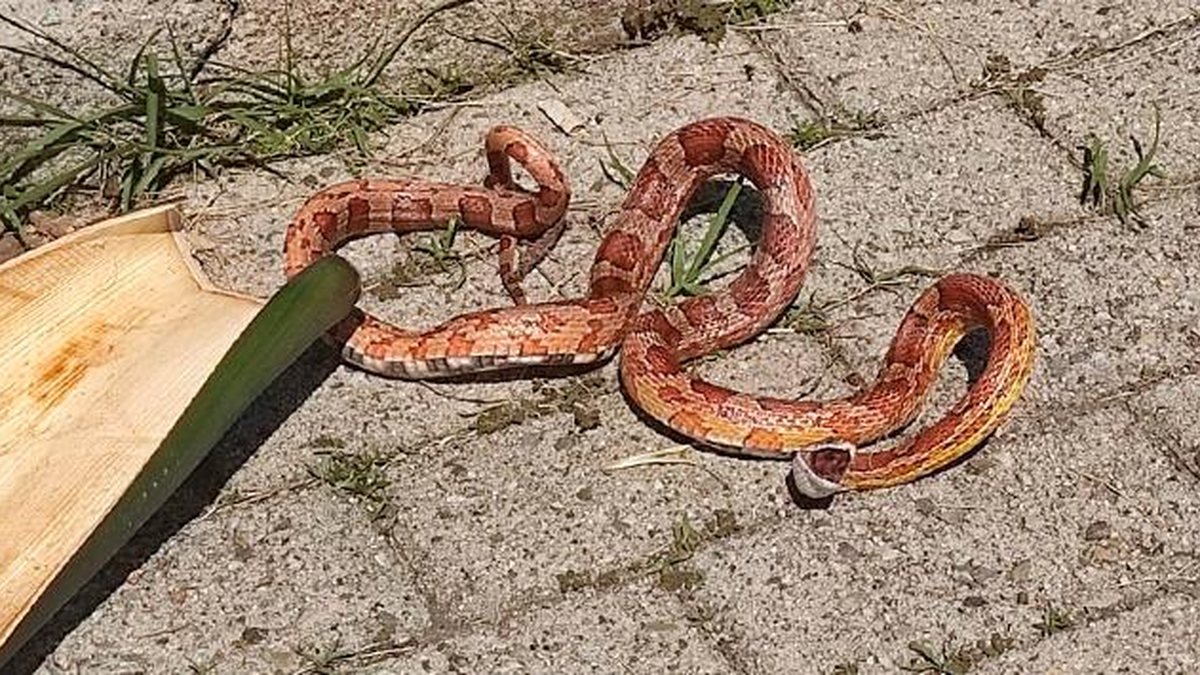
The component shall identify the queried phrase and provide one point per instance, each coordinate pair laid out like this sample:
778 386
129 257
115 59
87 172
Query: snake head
818 469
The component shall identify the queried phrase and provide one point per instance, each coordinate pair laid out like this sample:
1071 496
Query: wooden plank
105 337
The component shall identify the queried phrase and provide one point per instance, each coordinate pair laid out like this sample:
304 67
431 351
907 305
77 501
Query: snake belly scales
823 438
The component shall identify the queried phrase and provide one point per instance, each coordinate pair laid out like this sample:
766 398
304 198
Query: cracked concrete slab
362 525
1131 642
896 59
939 566
246 587
586 633
109 33
1117 97
1030 33
858 60
1142 306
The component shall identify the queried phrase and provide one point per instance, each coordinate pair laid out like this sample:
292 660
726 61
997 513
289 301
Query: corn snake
822 438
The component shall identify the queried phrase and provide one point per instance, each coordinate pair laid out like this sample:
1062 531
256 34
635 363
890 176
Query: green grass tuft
166 118
692 271
811 134
360 475
812 316
1117 197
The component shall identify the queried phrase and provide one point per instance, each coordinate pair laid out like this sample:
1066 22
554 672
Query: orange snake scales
823 438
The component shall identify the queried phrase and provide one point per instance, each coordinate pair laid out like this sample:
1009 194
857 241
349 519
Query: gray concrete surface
1068 544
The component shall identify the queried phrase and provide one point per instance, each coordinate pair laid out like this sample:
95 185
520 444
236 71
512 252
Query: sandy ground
1067 544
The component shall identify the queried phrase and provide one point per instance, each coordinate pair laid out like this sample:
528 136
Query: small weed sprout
1100 191
691 274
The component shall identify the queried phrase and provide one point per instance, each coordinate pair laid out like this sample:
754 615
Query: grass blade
37 193
715 229
131 77
40 149
184 77
40 106
98 75
151 172
386 57
58 63
19 121
1145 165
685 275
53 143
155 90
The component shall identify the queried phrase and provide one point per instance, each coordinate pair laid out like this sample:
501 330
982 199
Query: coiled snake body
822 437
